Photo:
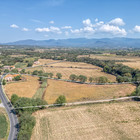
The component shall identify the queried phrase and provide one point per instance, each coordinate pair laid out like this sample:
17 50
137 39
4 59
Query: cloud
136 29
115 30
25 29
51 29
96 20
117 22
66 27
87 22
51 22
14 26
66 33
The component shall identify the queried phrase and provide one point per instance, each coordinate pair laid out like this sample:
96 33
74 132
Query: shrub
61 99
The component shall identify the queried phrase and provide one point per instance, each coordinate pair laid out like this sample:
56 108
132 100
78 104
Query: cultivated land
83 92
25 88
4 125
110 121
45 61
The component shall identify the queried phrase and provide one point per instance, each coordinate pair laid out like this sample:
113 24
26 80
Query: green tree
59 75
91 79
61 99
14 98
102 79
14 71
35 72
30 64
73 77
17 78
4 82
23 71
82 78
51 75
6 71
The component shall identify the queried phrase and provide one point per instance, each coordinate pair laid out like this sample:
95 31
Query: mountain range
82 42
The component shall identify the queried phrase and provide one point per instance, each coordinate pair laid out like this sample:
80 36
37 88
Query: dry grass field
23 89
4 124
109 121
112 57
66 72
45 61
135 65
82 92
74 64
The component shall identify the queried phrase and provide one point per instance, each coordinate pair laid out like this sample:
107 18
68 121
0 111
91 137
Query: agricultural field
45 61
68 68
25 88
4 125
82 92
20 65
66 72
109 121
135 65
112 57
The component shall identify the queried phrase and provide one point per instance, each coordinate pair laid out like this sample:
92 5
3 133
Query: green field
20 65
3 125
41 90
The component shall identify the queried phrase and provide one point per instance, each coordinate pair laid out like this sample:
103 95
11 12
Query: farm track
135 98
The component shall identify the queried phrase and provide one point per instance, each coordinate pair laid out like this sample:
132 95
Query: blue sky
59 19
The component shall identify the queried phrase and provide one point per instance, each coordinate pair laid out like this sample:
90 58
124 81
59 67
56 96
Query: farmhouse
36 62
8 67
10 77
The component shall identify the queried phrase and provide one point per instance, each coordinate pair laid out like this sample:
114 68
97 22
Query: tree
91 79
82 78
23 71
30 64
35 72
14 71
14 98
61 99
102 79
73 77
51 75
59 75
4 82
17 78
6 71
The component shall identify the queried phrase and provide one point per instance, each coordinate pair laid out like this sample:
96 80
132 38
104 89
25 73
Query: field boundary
84 102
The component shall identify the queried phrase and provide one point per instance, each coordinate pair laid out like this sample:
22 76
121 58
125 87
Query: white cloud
117 22
36 21
87 22
136 28
66 27
52 29
25 29
51 22
14 26
96 20
115 30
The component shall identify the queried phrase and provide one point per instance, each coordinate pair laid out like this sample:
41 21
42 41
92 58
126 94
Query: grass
23 89
110 121
40 91
82 92
112 57
4 125
20 65
45 61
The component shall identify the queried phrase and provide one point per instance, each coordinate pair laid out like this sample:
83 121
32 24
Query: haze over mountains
82 42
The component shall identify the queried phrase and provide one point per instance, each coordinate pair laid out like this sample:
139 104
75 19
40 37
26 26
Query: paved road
12 117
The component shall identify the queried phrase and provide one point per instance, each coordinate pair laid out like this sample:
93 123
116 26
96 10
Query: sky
61 19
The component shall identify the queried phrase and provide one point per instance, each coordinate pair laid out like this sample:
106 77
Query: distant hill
82 42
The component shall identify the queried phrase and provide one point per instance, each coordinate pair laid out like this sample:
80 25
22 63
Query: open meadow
82 92
4 124
109 121
25 88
